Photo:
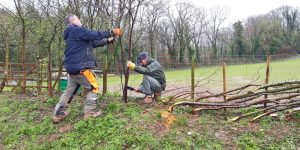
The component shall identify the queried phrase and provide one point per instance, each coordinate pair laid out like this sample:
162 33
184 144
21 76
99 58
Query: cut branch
285 95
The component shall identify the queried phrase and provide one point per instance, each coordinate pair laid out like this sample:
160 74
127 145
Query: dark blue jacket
79 52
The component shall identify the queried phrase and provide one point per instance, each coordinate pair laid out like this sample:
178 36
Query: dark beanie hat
141 56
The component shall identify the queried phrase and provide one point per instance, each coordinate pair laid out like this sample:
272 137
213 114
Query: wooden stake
193 78
224 80
267 77
105 71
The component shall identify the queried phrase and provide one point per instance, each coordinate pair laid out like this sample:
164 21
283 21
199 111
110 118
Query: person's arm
100 43
145 70
91 35
105 41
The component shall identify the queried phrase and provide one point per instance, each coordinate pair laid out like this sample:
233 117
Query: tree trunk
49 66
151 40
61 64
5 78
22 58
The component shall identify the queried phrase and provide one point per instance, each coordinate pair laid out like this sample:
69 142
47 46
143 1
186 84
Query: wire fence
175 62
208 73
169 62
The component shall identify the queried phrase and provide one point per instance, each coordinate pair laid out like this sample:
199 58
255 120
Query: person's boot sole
148 102
94 115
59 119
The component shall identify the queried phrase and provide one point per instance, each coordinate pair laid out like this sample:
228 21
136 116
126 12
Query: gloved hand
137 89
111 39
130 65
117 31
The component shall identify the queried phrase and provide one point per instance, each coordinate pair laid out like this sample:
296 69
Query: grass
25 123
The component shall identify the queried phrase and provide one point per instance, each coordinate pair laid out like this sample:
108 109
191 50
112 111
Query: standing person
79 61
154 80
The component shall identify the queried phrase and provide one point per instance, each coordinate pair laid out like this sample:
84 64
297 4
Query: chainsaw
132 89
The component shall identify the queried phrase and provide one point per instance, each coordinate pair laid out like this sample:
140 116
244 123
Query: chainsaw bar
130 88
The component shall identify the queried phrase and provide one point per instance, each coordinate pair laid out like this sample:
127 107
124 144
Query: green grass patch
26 123
247 142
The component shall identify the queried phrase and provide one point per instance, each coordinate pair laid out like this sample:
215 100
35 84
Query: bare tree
217 16
125 17
75 6
23 10
251 34
168 38
132 8
92 12
200 16
194 30
182 26
53 23
154 11
113 14
7 27
290 16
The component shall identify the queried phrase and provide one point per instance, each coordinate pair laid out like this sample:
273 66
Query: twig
230 91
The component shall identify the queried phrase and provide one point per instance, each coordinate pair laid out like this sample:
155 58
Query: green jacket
154 70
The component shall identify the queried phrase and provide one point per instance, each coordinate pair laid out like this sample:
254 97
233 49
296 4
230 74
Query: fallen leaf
65 128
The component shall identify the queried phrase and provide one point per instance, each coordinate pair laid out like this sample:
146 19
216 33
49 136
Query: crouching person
154 80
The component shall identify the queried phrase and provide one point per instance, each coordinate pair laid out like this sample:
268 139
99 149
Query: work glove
130 65
111 39
117 31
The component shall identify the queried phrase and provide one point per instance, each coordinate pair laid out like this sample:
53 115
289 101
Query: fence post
39 76
224 80
193 77
49 78
24 78
267 76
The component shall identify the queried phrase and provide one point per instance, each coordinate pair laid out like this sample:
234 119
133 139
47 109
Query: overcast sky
241 9
238 9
